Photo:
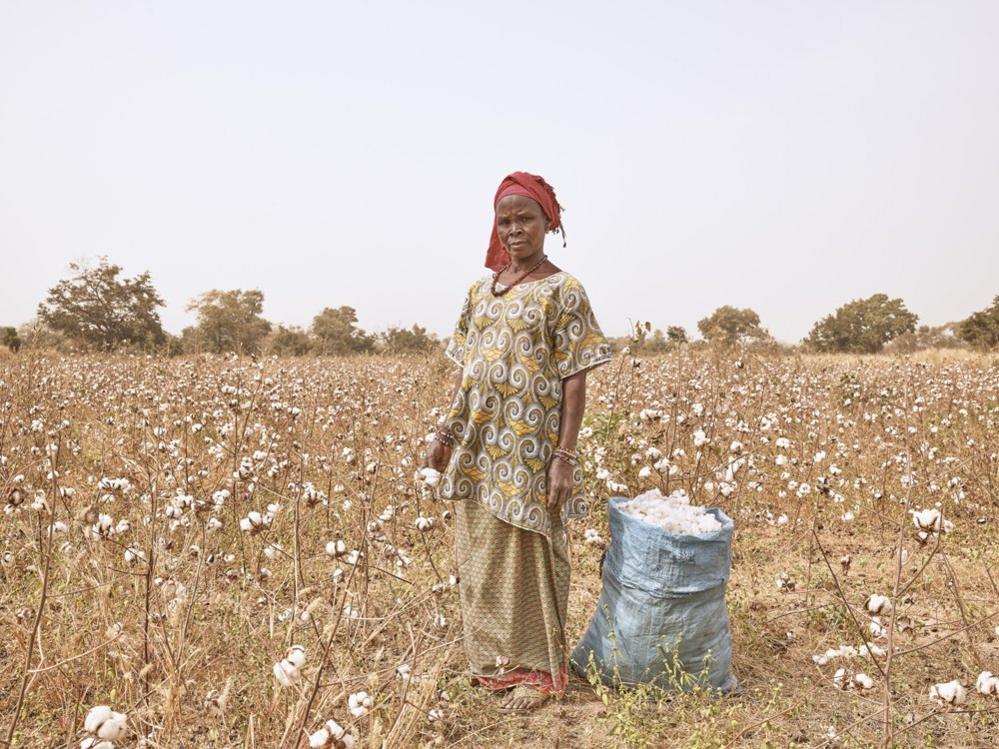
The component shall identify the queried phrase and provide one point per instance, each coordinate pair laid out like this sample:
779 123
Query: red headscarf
530 186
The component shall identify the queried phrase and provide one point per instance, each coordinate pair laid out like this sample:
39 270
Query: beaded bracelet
444 437
566 455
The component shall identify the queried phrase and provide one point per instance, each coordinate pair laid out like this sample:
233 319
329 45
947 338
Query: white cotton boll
333 735
863 681
319 739
591 536
91 743
878 604
870 648
296 656
337 731
105 723
948 693
113 728
336 548
926 520
424 524
358 703
987 683
285 673
876 627
95 717
843 651
271 551
700 438
429 476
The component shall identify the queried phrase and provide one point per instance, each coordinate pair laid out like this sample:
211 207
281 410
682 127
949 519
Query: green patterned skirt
514 592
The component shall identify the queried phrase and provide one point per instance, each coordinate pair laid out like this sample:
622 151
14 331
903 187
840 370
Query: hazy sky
788 156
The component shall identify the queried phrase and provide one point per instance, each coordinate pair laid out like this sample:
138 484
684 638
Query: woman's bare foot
524 697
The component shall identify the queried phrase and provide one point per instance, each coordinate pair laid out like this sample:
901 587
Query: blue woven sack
661 618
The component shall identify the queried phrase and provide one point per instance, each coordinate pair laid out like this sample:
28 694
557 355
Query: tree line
861 326
97 309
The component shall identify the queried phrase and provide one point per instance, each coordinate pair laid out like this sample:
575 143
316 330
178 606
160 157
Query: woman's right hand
438 455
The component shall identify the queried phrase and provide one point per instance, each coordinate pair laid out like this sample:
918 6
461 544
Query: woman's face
521 226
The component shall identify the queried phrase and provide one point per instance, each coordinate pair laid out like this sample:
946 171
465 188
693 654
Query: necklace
518 279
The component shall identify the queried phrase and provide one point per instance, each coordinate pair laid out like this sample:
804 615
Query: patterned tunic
515 350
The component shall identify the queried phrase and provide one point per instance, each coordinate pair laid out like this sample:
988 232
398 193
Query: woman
524 341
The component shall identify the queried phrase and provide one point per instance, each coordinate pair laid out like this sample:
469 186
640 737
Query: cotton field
226 552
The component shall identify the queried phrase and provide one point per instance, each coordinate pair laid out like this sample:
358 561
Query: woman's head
521 225
526 208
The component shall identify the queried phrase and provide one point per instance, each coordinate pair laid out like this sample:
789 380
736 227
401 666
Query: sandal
524 697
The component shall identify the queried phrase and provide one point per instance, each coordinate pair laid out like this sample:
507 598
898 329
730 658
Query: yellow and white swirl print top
514 351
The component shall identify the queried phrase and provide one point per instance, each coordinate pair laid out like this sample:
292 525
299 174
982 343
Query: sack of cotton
661 617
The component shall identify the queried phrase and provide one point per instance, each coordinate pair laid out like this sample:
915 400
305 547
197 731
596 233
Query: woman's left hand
560 482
